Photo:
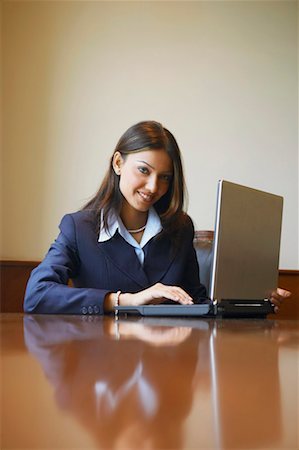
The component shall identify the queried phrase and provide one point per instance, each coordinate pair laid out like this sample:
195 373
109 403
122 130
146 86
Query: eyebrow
144 162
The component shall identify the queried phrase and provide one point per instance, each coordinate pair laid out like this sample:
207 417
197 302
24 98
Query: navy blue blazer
97 268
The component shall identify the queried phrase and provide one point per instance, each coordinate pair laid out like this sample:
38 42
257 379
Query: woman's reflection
132 384
132 392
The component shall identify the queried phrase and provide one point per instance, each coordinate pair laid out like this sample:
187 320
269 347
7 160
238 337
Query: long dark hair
147 135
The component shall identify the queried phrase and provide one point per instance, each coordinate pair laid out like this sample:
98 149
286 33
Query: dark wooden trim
14 276
288 272
9 263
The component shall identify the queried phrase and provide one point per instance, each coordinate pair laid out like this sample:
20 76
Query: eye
166 178
143 170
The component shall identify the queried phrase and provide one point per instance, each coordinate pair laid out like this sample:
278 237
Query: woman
132 244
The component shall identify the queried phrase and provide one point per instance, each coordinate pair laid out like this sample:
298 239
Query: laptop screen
246 243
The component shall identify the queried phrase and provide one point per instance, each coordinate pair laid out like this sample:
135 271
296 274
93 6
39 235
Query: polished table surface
93 382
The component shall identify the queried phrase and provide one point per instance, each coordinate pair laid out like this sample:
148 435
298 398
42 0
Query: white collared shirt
153 227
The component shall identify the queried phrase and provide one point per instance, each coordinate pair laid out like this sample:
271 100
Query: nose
152 184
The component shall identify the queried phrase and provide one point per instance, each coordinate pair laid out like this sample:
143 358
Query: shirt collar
153 227
112 226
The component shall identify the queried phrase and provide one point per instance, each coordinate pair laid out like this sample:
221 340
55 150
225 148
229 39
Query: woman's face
144 177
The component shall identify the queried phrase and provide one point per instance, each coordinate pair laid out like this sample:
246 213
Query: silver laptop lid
246 243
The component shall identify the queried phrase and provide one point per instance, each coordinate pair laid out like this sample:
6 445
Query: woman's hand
278 296
155 294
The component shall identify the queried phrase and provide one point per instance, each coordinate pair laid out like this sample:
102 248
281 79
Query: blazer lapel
159 256
123 256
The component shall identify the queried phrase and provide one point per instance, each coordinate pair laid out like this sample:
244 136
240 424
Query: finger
177 294
275 302
283 293
182 296
176 297
275 298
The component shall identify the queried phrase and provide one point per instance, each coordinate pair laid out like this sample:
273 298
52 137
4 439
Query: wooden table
92 382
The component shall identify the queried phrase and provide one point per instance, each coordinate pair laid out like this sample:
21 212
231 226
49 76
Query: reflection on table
168 383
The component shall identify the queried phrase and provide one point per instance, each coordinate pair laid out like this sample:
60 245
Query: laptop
245 250
245 258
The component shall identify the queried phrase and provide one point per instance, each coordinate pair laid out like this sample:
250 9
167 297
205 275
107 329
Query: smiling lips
148 198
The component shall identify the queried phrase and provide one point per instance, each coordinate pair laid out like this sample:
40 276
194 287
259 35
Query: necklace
138 230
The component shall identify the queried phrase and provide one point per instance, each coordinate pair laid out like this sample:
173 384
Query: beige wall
222 76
